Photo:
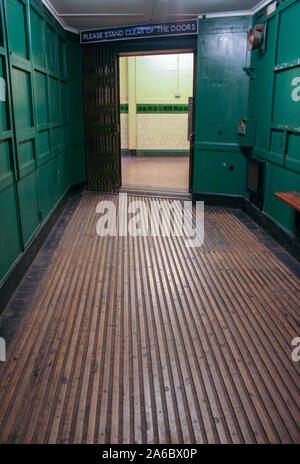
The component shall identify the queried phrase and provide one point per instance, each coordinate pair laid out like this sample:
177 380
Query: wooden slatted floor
142 340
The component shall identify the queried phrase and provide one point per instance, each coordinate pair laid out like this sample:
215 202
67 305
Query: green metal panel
76 164
292 160
41 97
63 102
62 57
221 99
45 178
10 246
35 162
21 98
43 146
219 172
17 27
51 49
54 100
289 33
286 110
37 38
26 157
261 88
6 165
280 179
274 100
28 206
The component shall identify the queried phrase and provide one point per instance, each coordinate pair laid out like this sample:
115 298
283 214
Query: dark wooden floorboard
143 340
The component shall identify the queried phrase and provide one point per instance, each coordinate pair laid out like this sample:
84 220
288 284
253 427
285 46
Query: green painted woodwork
280 179
37 30
41 122
17 27
277 113
41 98
10 243
22 98
28 203
6 168
221 99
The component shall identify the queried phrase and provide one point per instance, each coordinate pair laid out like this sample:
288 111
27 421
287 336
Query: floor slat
143 340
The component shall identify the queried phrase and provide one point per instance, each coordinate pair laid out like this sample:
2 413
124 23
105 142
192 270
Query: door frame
185 44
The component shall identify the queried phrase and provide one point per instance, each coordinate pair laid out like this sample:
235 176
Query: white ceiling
91 14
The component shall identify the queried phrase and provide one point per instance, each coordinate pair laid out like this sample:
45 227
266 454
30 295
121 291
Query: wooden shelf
291 198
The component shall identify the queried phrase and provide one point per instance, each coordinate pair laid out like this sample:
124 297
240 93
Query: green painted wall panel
37 36
10 246
54 100
21 98
60 174
221 99
275 102
41 97
286 110
280 179
289 33
261 87
51 49
28 204
292 160
26 152
219 172
75 156
5 157
62 57
35 167
45 178
17 25
43 144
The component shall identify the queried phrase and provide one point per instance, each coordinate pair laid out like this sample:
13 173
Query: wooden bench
292 199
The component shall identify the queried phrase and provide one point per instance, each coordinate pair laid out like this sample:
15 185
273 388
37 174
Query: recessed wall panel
21 98
16 25
37 38
41 97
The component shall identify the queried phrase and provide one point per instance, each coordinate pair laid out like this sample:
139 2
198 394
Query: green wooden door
221 99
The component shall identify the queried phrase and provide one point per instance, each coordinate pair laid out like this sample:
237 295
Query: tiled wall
163 85
157 131
124 131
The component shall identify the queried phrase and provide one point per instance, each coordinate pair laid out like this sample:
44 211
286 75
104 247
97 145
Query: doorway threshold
141 191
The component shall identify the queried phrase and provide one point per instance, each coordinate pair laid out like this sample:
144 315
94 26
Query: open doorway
155 92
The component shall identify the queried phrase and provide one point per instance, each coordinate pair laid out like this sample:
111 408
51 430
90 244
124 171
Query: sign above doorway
140 32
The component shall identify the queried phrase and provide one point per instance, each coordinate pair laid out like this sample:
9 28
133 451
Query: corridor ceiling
89 14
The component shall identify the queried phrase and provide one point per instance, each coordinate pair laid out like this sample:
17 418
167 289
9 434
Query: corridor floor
156 172
143 340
